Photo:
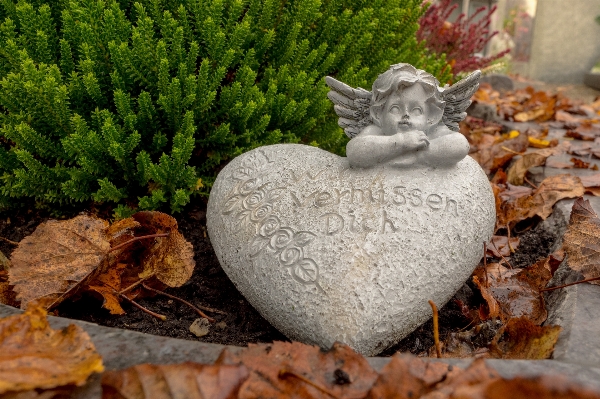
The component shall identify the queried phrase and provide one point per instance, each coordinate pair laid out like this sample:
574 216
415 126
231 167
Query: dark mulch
209 287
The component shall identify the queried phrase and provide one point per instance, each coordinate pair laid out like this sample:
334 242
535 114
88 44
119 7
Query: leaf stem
568 285
201 313
132 286
137 239
143 309
436 331
11 242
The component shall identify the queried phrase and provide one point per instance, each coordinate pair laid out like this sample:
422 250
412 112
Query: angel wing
458 99
351 105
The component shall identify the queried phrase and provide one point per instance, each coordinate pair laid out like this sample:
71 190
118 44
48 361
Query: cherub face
405 110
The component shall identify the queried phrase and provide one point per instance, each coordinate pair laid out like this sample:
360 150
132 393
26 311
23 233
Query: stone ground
575 308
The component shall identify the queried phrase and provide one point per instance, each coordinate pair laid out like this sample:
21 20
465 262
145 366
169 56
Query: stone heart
329 253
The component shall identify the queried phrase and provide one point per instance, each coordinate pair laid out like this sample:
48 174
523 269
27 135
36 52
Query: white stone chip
200 327
330 253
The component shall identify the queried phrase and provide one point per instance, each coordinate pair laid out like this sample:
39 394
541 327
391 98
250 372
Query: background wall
566 40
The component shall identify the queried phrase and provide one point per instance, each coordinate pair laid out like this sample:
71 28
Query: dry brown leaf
108 284
57 257
519 168
406 377
521 339
295 370
540 203
556 164
7 295
496 154
33 355
170 259
468 383
498 245
562 116
543 387
174 381
582 240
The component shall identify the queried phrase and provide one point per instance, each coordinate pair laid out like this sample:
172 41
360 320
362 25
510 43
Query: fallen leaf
540 203
171 258
562 116
581 242
579 164
108 284
556 164
295 370
498 245
4 262
406 376
174 381
34 356
542 387
495 155
519 168
468 383
7 295
57 257
591 184
516 293
511 193
522 339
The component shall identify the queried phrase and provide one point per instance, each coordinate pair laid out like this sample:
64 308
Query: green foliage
138 103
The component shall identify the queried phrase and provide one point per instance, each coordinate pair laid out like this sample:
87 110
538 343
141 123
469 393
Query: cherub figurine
408 119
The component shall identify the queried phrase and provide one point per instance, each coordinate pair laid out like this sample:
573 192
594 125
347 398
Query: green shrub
141 103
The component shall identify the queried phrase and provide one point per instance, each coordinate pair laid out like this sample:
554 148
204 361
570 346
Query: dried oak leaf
406 377
171 258
581 242
516 292
540 203
174 381
519 168
295 370
33 355
58 256
522 339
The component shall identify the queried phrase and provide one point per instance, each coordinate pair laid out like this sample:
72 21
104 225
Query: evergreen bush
140 103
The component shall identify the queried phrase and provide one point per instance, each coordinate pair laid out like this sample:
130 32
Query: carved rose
261 212
269 226
281 238
290 256
247 186
255 199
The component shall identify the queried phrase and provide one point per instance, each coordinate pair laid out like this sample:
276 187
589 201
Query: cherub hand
413 140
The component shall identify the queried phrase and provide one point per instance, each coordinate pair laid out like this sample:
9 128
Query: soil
237 322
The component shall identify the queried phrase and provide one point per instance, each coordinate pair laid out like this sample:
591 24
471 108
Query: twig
512 250
321 388
485 276
567 285
530 183
436 332
201 313
137 239
143 309
132 286
502 256
11 242
211 309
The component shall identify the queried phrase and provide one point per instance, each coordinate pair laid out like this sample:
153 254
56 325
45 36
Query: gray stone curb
123 348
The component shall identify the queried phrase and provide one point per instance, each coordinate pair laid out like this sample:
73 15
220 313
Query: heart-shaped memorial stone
330 253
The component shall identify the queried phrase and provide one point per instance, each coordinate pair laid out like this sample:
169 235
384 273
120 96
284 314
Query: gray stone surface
498 81
330 253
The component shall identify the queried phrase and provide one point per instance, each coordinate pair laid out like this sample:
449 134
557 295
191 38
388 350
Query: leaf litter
504 323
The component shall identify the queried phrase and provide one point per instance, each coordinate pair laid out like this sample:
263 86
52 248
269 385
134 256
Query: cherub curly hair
404 75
